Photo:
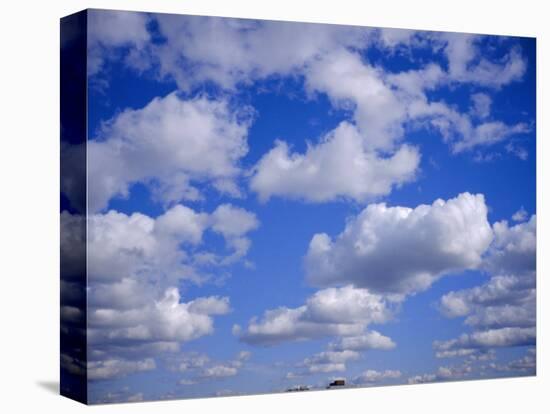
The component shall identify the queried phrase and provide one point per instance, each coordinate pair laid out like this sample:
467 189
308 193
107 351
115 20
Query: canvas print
254 206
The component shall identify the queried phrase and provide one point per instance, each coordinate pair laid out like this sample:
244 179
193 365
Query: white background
29 171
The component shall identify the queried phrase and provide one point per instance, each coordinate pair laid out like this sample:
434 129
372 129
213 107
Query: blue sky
279 204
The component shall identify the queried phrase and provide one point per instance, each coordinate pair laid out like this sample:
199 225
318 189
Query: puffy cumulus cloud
505 305
372 376
491 338
499 291
402 250
377 109
368 340
255 49
514 248
155 328
233 223
251 49
134 263
338 166
121 245
200 368
115 368
345 311
330 60
165 320
110 31
129 249
325 56
168 144
502 301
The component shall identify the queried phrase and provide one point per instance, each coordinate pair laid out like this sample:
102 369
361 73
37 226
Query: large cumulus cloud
402 250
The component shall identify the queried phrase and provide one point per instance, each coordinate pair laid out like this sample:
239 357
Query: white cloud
233 221
168 144
345 311
467 64
398 38
481 105
329 361
526 364
381 105
422 379
115 368
499 302
323 362
514 248
128 246
219 371
504 315
489 133
402 250
328 58
339 166
443 374
251 49
520 215
517 150
135 262
255 49
160 249
166 319
346 79
183 223
413 83
502 310
109 30
469 57
457 353
202 369
459 129
372 376
369 340
192 361
491 338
